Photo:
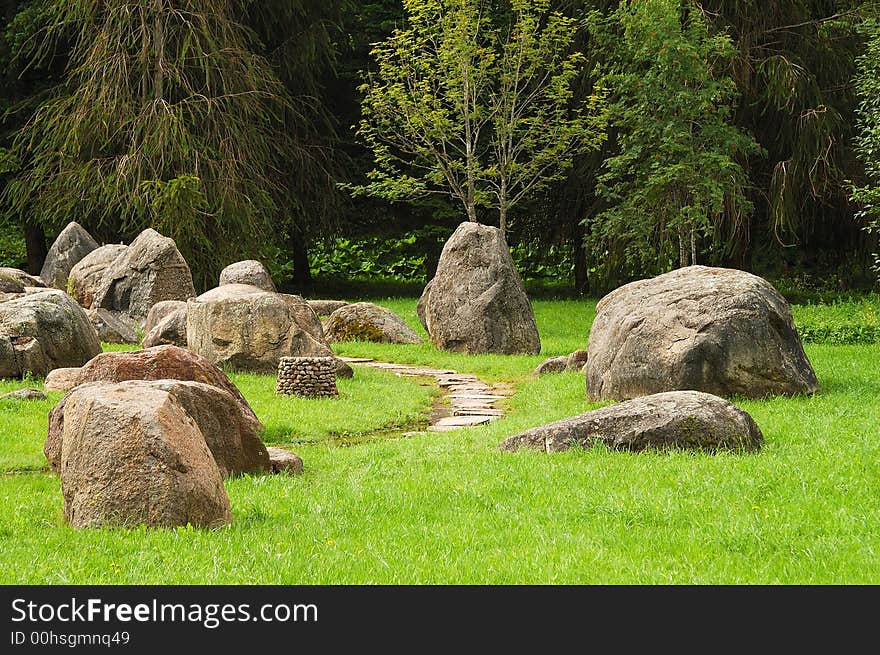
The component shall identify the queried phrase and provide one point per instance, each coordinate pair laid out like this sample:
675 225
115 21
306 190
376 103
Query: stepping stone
460 422
470 398
471 404
476 411
476 396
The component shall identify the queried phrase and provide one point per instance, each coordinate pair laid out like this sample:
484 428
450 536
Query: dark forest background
794 69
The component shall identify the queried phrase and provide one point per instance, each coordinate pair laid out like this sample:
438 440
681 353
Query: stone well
313 377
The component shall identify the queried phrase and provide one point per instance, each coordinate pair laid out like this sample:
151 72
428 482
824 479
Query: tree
676 172
868 139
169 117
476 104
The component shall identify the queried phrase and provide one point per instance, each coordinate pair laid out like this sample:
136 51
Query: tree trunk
693 246
682 249
35 242
302 274
580 264
502 221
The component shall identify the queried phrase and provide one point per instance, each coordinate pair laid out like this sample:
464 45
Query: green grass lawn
450 508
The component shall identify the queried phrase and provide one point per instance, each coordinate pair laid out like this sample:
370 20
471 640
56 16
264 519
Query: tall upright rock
149 271
69 248
476 302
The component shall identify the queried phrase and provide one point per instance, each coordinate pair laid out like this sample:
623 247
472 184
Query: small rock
365 321
576 361
326 307
552 365
114 327
24 394
62 379
160 311
249 271
171 330
284 461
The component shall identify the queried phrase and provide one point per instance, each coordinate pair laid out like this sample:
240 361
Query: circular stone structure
312 377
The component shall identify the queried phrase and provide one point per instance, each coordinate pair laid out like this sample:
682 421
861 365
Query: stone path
471 401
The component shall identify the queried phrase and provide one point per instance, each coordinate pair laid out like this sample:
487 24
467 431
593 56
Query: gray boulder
326 307
24 394
42 331
552 365
249 271
19 279
717 330
675 419
133 455
364 321
159 311
149 271
114 327
69 248
476 302
85 277
171 330
246 328
284 461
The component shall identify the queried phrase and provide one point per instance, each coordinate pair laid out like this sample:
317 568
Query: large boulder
247 328
364 321
232 435
249 271
171 330
160 311
132 455
19 278
149 271
42 331
114 327
85 277
717 330
476 302
675 419
69 248
161 363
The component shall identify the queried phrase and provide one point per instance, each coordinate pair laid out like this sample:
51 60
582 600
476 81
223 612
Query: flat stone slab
356 360
462 421
476 396
476 411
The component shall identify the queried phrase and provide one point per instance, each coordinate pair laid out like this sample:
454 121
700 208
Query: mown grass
451 508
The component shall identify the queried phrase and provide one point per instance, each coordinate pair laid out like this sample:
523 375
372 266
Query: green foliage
372 257
676 174
464 104
168 113
868 140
